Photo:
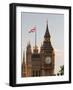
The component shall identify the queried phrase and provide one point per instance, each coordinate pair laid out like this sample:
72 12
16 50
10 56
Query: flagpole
35 38
35 35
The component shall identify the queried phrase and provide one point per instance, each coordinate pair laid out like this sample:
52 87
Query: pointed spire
28 45
47 34
47 22
29 48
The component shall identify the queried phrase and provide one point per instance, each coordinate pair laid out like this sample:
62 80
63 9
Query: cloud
59 59
59 52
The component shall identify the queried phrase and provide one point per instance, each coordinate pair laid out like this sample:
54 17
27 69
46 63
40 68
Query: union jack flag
32 30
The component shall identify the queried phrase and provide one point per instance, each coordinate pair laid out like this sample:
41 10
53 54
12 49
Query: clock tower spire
47 34
47 42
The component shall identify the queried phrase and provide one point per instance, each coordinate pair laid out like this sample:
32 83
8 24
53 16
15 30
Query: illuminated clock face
48 60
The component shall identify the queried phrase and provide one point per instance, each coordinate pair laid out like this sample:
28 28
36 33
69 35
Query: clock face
48 60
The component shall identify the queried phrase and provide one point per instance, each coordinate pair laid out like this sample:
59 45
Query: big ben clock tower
47 55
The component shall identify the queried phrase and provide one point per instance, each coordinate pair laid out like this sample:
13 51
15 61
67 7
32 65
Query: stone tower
28 60
47 55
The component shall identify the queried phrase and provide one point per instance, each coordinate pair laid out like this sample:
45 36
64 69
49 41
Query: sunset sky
56 29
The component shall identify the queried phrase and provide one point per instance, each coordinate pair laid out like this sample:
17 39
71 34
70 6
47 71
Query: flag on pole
32 30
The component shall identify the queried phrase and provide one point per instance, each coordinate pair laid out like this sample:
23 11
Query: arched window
36 73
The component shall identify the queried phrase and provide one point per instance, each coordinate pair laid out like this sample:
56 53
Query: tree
61 71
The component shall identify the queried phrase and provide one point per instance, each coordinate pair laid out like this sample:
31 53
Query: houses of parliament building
39 63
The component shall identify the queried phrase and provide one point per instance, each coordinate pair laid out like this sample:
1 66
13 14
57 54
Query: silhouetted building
39 63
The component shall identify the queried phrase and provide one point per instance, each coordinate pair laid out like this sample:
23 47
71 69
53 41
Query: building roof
47 34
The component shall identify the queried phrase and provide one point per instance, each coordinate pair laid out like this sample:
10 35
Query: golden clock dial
48 60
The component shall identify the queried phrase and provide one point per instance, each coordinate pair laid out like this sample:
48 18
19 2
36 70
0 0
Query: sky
56 29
